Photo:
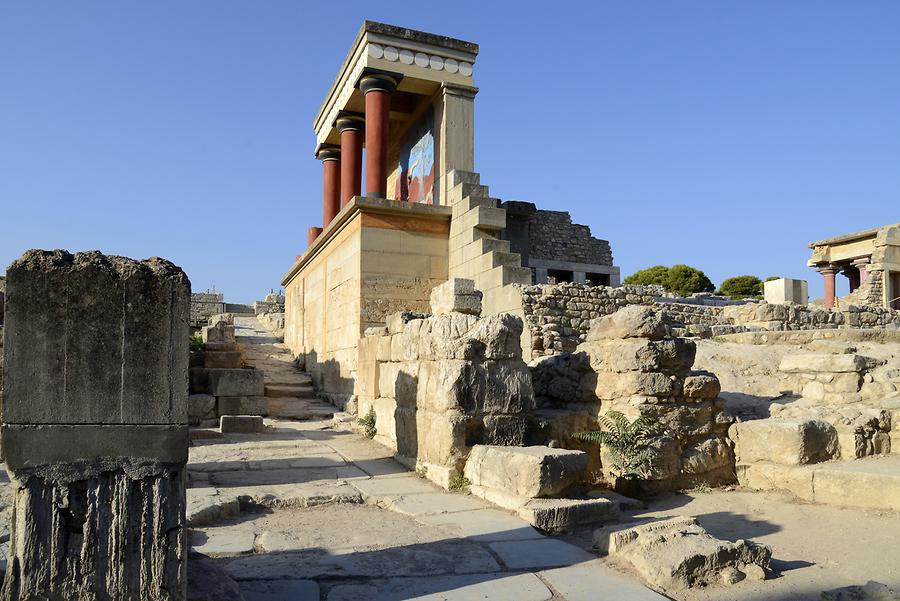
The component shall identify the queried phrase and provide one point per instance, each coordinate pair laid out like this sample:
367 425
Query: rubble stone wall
554 236
558 316
630 364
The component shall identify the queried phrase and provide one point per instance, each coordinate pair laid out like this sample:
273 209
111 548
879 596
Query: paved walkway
305 511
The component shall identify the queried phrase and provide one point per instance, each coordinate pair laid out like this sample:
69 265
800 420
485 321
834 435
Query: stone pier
94 427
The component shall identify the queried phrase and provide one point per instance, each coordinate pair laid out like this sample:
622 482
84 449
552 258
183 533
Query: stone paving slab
393 487
207 505
483 525
594 581
433 503
537 554
280 590
222 541
515 587
427 559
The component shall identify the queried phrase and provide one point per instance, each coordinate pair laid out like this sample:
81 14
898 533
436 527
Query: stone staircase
476 251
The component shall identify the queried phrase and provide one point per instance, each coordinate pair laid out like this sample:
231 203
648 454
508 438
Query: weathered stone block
456 295
822 363
525 471
201 406
241 424
632 321
243 405
222 359
699 385
784 441
113 333
236 382
678 553
219 332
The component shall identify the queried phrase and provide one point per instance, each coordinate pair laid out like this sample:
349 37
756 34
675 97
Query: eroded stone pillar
828 276
331 183
351 128
378 89
94 427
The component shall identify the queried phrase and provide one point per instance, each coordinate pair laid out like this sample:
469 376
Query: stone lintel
572 266
31 446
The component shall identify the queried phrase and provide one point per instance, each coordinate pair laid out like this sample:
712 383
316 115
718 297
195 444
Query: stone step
872 483
487 245
301 391
299 409
486 218
501 276
458 176
470 202
459 192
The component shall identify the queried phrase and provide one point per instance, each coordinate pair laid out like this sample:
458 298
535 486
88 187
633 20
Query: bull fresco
416 179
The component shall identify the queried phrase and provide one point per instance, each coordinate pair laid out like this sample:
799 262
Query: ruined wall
441 384
559 316
554 236
205 304
630 364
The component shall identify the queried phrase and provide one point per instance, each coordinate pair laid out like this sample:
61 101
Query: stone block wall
630 364
439 385
204 305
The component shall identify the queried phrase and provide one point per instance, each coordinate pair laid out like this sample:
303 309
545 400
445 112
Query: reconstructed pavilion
422 216
870 260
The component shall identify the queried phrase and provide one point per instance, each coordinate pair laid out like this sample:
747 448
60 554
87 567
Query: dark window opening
597 279
558 276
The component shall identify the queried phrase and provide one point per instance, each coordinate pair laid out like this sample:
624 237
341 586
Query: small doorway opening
558 276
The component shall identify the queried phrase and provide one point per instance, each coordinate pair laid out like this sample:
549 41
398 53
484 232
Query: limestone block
499 335
456 295
507 388
635 383
397 321
706 456
562 515
439 437
525 471
701 385
242 405
632 321
236 382
227 318
504 430
822 363
784 441
218 332
113 333
786 290
222 359
678 553
798 480
241 424
201 406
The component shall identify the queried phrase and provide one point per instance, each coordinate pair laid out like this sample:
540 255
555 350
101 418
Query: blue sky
725 135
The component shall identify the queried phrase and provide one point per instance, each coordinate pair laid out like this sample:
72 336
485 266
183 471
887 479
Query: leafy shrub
741 286
682 280
196 343
459 483
627 443
368 423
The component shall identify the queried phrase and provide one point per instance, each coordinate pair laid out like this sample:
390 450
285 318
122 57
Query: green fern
627 443
368 423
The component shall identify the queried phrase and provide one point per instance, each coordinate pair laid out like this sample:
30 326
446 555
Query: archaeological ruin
455 398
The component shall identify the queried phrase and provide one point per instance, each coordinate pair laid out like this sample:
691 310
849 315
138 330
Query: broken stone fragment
678 553
633 321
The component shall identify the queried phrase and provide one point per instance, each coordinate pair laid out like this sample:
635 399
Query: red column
311 235
861 264
378 90
828 275
351 128
331 183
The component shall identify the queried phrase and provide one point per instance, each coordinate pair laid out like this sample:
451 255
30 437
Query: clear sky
725 135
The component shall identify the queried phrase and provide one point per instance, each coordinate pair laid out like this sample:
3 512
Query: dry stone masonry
630 364
94 427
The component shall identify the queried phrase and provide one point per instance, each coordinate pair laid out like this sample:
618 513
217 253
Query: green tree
685 280
682 280
741 286
652 275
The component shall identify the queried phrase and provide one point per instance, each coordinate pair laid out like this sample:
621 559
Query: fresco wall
414 176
